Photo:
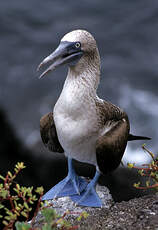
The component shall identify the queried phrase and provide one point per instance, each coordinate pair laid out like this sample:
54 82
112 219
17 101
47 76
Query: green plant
150 171
52 221
17 202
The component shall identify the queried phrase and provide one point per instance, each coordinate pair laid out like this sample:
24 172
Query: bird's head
74 48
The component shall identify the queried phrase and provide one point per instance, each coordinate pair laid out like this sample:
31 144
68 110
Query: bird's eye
77 44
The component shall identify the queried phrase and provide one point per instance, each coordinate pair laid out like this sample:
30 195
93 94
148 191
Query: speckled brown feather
110 146
49 134
107 112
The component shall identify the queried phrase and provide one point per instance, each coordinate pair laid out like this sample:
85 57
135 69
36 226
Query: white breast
76 123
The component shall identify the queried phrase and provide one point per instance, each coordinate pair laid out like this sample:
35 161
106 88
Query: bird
83 126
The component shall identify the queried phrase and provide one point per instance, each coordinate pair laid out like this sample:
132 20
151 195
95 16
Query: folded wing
49 134
111 146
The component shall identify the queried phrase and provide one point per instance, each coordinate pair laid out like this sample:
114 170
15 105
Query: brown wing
49 134
111 146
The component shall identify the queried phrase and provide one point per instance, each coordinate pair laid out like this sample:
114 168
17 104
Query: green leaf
1 177
147 183
3 194
79 218
136 185
20 165
39 190
26 205
47 227
10 174
1 206
141 172
85 214
49 214
130 165
22 226
24 214
18 186
5 222
82 215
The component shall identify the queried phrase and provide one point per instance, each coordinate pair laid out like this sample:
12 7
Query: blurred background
127 35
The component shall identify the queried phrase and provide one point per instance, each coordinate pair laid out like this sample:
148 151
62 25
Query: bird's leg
89 197
72 184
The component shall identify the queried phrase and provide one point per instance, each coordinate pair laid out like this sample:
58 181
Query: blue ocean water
127 36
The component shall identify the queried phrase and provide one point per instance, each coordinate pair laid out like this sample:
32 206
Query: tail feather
133 137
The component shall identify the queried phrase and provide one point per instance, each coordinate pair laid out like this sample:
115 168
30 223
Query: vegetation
150 171
19 204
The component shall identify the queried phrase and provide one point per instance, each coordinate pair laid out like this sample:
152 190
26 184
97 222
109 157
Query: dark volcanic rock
139 213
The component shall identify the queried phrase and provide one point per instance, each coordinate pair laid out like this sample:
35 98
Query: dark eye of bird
77 44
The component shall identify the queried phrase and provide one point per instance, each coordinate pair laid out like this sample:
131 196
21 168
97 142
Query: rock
136 214
61 205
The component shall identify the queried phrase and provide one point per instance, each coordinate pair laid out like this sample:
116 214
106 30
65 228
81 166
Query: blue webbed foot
89 197
71 185
66 187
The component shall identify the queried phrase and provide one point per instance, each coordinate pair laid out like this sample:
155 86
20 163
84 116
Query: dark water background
127 35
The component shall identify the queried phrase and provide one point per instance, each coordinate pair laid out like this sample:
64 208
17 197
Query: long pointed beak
66 53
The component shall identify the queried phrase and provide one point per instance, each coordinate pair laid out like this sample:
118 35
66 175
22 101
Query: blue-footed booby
83 126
